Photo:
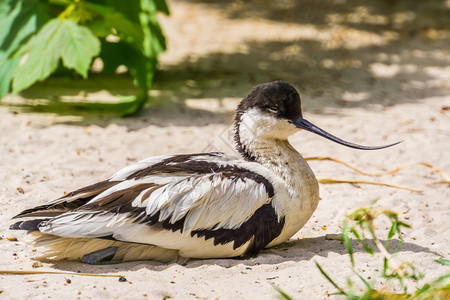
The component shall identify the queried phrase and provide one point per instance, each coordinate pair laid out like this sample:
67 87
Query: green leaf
127 30
423 289
368 249
282 294
18 22
161 6
130 9
442 278
110 52
355 233
341 291
137 26
125 24
392 231
81 49
129 56
98 28
350 288
5 7
58 39
7 67
154 41
385 266
347 242
444 262
401 224
399 244
141 67
366 283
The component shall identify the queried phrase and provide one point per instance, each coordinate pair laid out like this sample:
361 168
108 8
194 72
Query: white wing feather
208 201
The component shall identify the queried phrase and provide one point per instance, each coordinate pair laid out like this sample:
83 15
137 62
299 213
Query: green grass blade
444 262
366 283
341 291
393 230
401 224
368 249
281 293
355 233
347 242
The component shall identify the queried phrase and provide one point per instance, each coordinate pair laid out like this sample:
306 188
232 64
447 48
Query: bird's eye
271 109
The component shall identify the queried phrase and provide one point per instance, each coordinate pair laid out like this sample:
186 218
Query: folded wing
196 196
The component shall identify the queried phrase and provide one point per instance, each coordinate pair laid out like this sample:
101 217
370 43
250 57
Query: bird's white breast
298 197
295 186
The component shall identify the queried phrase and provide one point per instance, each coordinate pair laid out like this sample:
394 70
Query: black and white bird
205 205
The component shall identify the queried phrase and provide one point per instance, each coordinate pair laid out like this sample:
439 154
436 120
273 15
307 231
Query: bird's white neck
286 162
264 139
256 142
256 131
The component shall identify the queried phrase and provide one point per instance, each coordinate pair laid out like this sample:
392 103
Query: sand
372 75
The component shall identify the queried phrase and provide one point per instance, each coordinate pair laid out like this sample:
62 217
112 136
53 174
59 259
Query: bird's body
205 205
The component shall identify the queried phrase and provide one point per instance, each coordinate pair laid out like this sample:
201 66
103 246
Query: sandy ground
371 74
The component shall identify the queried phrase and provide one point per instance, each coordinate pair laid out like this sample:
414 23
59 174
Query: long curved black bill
304 124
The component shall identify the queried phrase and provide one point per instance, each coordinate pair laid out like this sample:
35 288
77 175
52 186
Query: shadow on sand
323 74
295 251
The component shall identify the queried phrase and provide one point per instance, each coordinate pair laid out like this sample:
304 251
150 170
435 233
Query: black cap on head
278 97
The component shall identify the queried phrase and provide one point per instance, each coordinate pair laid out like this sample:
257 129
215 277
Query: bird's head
273 111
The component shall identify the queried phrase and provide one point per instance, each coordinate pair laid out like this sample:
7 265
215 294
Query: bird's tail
60 248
